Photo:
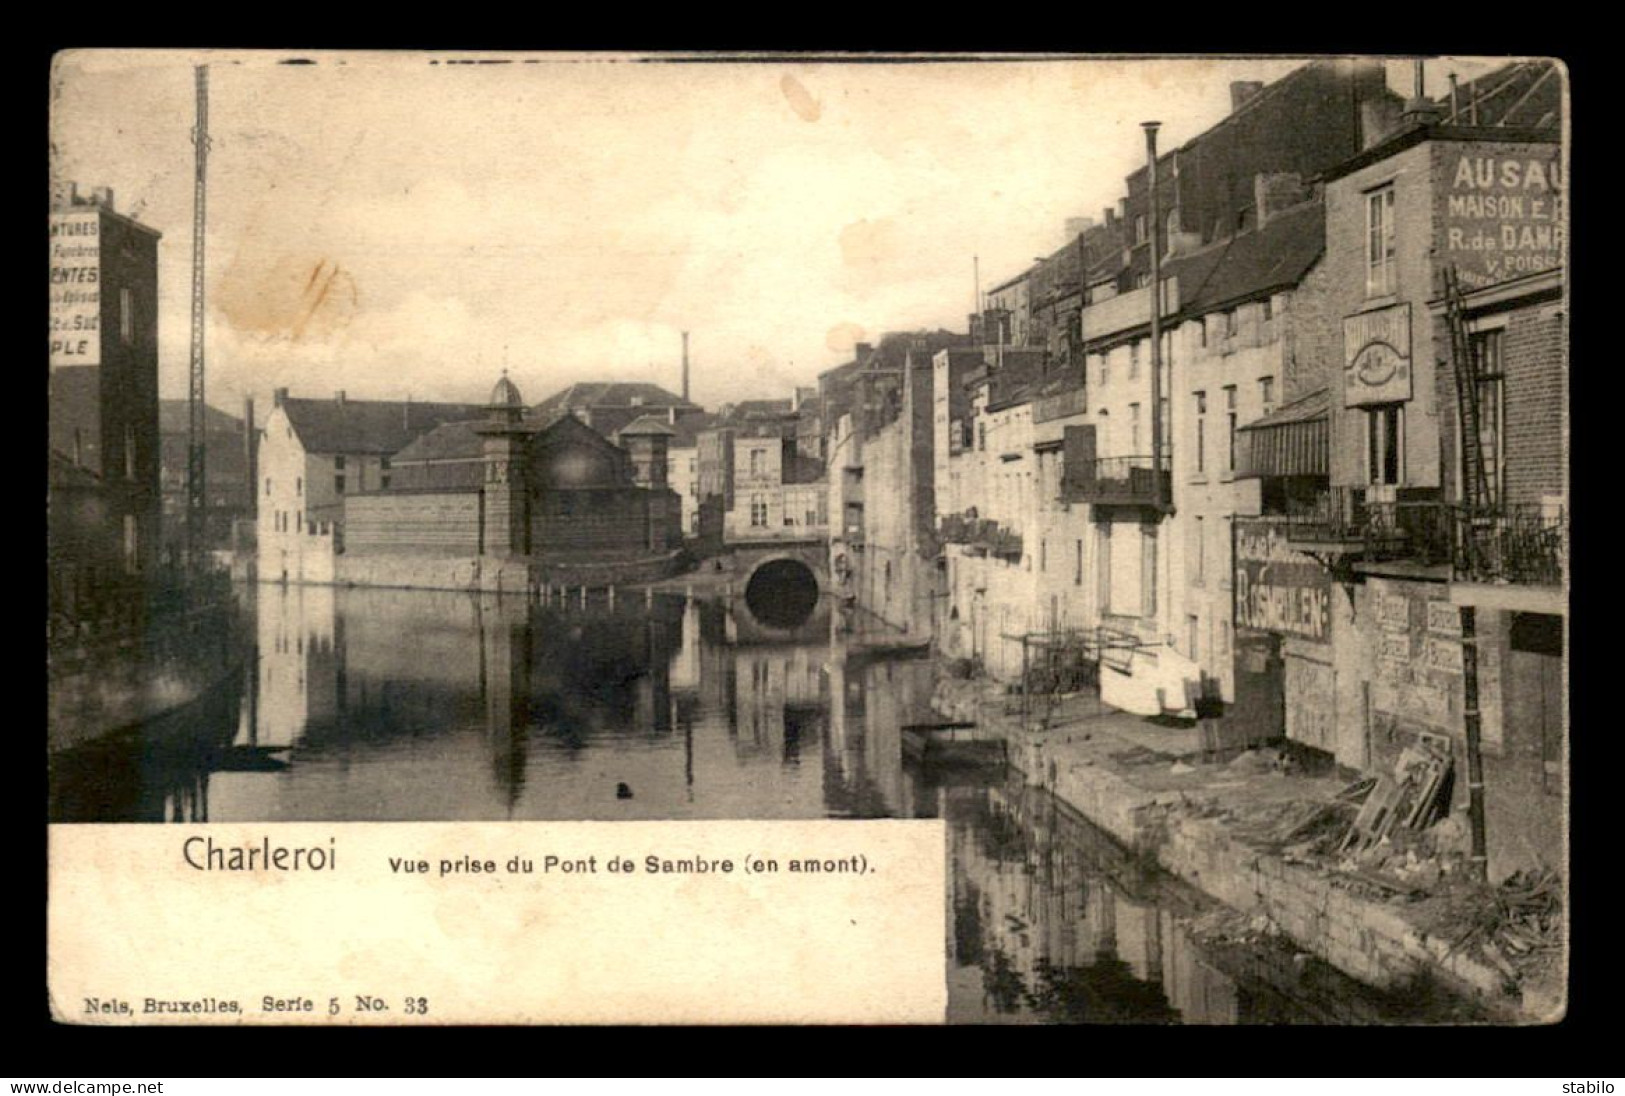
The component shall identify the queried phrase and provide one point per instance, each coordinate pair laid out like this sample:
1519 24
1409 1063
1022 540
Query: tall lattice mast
195 470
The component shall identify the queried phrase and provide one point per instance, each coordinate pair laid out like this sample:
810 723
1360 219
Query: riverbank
1244 831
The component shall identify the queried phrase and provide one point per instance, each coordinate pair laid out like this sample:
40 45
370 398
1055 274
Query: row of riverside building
1364 432
601 483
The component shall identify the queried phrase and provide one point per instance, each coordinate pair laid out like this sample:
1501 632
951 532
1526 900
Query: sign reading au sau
1504 215
76 292
1377 356
1279 589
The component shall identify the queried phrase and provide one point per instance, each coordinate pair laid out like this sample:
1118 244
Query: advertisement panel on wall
1377 356
1504 215
1279 589
76 297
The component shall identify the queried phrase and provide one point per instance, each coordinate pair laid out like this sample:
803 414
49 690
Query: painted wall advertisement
1418 654
1279 589
1504 215
76 297
1377 356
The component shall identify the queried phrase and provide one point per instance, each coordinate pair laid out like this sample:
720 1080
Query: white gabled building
313 453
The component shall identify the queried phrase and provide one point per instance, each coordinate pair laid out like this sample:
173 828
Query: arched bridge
781 581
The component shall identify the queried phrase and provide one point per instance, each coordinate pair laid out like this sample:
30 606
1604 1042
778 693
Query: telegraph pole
196 426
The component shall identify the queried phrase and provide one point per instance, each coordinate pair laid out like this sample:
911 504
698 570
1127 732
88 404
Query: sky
402 225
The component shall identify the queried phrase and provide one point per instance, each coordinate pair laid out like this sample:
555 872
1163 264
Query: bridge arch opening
782 593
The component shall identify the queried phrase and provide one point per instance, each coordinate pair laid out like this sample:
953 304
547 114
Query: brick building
504 490
103 392
1434 553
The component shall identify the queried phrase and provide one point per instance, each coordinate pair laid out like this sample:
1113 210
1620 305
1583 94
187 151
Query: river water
378 705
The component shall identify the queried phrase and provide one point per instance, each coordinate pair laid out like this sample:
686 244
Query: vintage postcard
717 538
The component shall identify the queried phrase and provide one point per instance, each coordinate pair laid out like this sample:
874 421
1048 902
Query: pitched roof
645 426
608 394
175 417
756 409
1272 257
1523 93
448 441
368 426
688 428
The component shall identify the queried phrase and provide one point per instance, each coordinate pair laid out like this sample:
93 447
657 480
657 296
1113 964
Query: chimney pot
279 397
338 397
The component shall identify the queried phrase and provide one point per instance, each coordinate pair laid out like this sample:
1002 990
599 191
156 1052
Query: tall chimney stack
250 454
685 365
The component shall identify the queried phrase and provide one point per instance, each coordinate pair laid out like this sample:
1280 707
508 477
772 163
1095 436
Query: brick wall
1536 415
437 523
613 520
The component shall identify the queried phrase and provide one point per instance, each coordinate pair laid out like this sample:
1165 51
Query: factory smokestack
685 365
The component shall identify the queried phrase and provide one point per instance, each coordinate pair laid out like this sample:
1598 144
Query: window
1198 554
126 315
1133 360
1380 277
1266 393
1201 333
1043 555
338 484
1486 351
1230 427
1139 229
1103 562
1385 444
1201 432
1230 322
1269 308
1105 374
1077 563
755 462
1148 571
129 452
132 544
298 521
299 485
981 436
1134 427
1193 626
758 512
338 463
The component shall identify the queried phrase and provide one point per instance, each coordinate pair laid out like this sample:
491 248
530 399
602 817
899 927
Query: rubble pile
1516 925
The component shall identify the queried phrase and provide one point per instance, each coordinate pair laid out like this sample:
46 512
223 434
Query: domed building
502 501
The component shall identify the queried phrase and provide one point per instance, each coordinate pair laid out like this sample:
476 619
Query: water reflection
1051 921
382 705
393 705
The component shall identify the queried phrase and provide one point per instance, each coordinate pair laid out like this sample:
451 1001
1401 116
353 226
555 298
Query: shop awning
1292 440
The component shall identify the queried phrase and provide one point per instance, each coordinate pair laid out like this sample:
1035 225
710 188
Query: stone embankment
1128 776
